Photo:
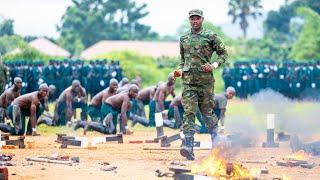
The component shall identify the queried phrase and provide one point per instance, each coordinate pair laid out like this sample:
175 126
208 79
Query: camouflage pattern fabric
196 49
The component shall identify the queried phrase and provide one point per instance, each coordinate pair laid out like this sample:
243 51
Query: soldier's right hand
177 73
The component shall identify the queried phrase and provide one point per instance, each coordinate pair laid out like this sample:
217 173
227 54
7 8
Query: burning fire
216 166
300 156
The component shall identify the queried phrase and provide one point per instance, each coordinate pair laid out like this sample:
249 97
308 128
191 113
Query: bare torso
8 96
163 91
25 101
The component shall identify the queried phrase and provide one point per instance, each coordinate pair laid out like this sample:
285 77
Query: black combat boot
187 148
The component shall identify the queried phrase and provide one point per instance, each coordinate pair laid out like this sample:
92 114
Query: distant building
149 48
46 47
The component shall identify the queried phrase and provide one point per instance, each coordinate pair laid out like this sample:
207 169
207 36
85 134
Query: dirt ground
133 162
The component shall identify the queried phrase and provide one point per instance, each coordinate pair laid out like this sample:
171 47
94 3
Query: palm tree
242 9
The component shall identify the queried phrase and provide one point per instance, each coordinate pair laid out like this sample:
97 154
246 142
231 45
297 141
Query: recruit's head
17 82
52 89
43 90
113 85
76 86
133 91
230 92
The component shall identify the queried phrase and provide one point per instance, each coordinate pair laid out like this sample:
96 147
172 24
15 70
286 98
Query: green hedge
146 66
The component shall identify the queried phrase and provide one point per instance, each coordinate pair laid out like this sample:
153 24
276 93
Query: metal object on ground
59 137
282 136
70 142
69 163
297 145
4 136
118 137
270 133
17 142
171 148
166 141
264 171
255 161
291 163
308 166
152 141
163 174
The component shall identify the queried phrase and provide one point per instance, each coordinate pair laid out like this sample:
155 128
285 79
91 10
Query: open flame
216 166
300 156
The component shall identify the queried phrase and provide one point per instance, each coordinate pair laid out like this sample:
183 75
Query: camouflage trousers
202 96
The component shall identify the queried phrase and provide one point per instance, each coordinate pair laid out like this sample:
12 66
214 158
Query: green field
298 117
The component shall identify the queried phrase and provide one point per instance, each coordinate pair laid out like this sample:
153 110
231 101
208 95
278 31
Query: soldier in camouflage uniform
196 49
3 76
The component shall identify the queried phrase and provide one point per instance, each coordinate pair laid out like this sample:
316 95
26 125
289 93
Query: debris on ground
66 160
159 173
108 168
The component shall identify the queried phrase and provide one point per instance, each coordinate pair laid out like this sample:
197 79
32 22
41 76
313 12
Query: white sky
40 17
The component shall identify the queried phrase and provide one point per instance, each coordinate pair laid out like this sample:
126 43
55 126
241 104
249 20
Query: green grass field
245 113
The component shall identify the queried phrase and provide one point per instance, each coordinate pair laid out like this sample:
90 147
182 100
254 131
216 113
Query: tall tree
308 44
89 21
280 20
6 27
242 9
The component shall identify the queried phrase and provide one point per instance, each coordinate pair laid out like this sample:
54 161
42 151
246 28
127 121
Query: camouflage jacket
196 50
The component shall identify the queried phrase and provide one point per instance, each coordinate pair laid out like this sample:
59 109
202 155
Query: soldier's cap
195 12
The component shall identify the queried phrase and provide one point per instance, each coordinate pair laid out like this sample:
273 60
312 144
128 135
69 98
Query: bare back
146 94
117 100
25 101
101 97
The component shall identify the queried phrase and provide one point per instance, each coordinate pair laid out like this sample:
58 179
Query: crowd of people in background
94 75
295 80
98 89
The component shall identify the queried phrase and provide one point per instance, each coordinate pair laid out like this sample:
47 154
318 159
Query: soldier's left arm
33 112
220 49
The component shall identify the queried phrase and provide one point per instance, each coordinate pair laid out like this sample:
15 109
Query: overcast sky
40 17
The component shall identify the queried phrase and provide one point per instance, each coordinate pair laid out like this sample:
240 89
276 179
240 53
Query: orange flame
300 155
216 166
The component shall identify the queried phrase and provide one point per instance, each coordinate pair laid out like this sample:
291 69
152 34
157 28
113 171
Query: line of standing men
292 79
